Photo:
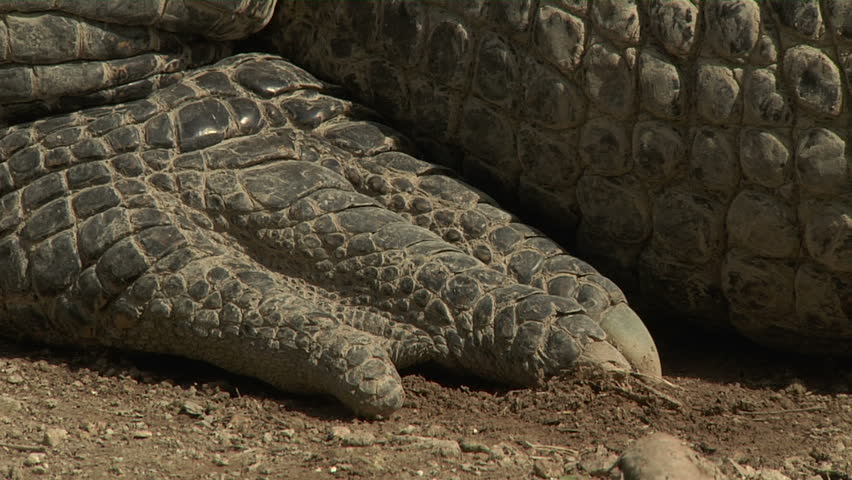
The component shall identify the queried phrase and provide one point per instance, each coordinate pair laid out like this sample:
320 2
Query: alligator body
244 214
696 151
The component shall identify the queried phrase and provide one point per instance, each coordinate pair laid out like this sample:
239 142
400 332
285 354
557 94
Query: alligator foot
245 218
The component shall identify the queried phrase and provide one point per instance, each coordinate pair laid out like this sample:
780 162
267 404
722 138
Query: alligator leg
217 227
375 161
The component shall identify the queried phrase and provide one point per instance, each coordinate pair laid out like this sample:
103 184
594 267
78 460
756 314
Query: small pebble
469 446
545 468
599 461
771 474
15 379
445 448
54 436
34 459
15 473
142 434
352 439
191 408
661 455
9 405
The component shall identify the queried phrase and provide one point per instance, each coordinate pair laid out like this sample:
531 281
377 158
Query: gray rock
661 456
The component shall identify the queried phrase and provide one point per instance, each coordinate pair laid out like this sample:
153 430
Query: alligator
695 152
159 193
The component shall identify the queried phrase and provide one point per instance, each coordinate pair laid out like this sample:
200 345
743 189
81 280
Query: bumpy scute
695 150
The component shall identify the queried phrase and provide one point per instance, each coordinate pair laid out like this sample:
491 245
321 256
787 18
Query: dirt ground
102 414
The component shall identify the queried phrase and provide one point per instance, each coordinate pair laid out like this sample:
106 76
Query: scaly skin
243 217
64 56
697 150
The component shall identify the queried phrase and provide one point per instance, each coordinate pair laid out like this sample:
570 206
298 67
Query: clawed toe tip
376 397
378 408
629 345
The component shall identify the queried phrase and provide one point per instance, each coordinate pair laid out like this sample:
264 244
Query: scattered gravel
106 415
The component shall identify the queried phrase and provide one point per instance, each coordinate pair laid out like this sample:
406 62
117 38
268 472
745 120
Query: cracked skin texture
244 217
